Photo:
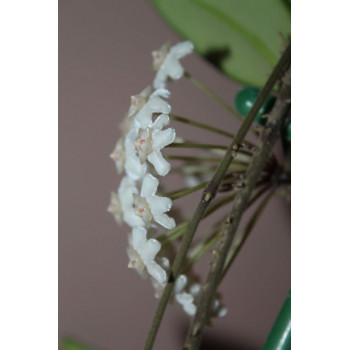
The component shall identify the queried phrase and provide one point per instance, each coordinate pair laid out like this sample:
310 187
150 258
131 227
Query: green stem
162 238
193 159
184 192
202 249
240 202
210 192
212 95
177 234
195 145
200 125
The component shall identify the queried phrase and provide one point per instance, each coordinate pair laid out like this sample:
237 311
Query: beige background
104 57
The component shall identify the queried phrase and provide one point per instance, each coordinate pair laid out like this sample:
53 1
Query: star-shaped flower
138 101
166 61
155 104
142 255
115 208
149 206
118 155
126 192
152 140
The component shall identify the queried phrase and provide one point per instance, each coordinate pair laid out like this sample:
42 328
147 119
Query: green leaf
70 344
243 38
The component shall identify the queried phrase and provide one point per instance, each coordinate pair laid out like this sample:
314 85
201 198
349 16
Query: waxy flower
138 101
126 192
118 155
155 104
166 62
133 166
152 140
115 208
186 300
149 206
217 310
142 254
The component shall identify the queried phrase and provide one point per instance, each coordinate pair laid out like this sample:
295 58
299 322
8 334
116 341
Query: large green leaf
242 37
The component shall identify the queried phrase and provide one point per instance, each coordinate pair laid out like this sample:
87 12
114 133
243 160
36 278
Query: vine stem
210 192
270 136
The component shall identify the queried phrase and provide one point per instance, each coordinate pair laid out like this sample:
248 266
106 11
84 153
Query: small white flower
186 300
143 253
138 101
159 288
136 262
115 208
133 166
218 310
155 104
166 61
118 155
149 206
126 192
152 140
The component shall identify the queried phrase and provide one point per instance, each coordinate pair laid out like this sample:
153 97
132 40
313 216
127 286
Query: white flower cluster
139 154
188 299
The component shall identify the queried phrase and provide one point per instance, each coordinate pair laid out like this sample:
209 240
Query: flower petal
165 221
161 165
160 122
182 49
180 284
162 138
157 272
149 186
159 205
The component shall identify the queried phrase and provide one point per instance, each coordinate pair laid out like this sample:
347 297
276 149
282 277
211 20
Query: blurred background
104 57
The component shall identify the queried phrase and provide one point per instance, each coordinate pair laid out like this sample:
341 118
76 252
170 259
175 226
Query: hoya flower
118 155
159 288
149 206
186 300
124 203
152 140
133 166
142 254
115 208
166 62
138 101
155 104
217 310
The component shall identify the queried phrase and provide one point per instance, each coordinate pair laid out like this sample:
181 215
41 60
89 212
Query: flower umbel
166 61
140 153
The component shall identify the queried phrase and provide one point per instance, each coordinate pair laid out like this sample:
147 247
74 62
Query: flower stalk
212 95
